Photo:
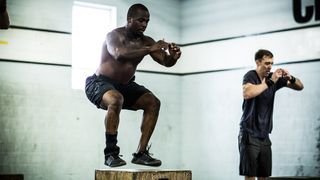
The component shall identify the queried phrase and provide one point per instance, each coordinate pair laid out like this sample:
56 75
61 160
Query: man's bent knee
153 102
112 98
148 102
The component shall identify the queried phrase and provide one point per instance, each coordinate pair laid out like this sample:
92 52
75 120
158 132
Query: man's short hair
133 9
261 53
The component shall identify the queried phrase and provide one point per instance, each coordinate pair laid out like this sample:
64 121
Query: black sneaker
144 158
114 161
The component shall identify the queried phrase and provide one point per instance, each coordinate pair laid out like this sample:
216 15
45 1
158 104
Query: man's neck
260 74
131 35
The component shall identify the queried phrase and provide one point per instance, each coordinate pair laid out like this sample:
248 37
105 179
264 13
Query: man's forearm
295 84
252 90
122 55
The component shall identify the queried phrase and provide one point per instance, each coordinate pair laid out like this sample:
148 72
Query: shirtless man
4 17
113 88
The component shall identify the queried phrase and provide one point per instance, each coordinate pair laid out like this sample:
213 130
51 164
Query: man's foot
144 158
114 161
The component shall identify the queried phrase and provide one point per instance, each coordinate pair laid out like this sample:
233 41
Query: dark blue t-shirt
257 112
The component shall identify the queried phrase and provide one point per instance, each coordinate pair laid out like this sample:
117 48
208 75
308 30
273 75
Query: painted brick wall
50 131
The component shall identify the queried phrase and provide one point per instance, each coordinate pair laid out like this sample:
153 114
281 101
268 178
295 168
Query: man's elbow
247 95
170 63
300 88
297 87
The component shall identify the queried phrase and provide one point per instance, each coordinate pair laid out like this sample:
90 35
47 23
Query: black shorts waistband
103 77
106 78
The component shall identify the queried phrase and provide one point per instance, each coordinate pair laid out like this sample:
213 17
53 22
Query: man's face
139 22
265 65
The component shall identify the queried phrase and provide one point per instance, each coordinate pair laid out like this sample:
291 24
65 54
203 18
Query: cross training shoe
144 158
114 161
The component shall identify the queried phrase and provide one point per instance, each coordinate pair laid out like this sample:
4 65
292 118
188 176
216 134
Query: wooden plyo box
142 174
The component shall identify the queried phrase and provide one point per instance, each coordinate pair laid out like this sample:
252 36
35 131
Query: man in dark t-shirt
259 88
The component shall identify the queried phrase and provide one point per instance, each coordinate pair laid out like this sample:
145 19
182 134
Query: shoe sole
116 165
144 164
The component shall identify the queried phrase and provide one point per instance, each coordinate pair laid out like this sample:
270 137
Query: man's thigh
131 93
265 159
255 157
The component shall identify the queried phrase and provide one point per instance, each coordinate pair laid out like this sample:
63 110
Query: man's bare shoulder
116 34
148 40
118 31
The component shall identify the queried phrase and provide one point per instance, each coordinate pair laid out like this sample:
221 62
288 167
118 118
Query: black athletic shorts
96 86
255 156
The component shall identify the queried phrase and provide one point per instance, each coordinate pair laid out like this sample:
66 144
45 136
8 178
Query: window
90 24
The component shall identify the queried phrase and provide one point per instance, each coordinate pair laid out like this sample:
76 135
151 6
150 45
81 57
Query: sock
111 144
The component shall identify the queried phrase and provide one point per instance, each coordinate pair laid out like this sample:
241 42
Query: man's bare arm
253 90
168 60
292 82
296 85
122 50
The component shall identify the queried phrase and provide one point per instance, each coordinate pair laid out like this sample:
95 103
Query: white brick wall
49 131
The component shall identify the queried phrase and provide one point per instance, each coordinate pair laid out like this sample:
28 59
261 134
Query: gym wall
50 131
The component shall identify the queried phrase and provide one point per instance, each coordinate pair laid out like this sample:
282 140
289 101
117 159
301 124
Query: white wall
36 46
57 15
296 133
205 20
49 131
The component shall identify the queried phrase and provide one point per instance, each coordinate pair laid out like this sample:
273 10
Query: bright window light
90 24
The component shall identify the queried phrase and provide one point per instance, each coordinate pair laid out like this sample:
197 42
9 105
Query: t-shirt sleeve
249 77
282 82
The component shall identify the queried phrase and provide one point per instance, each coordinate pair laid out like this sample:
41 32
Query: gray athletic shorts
255 156
96 86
